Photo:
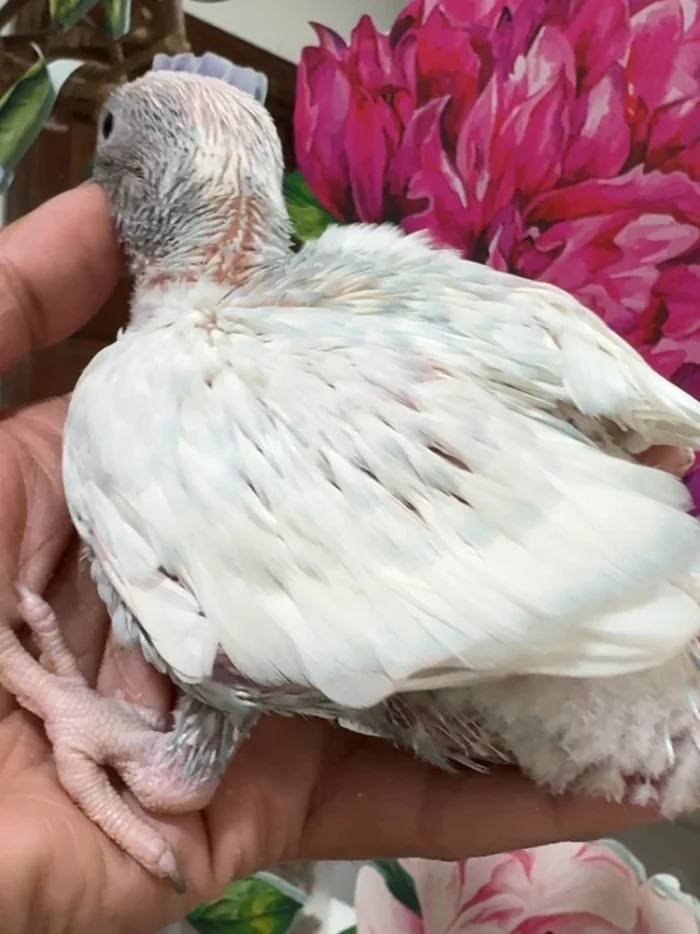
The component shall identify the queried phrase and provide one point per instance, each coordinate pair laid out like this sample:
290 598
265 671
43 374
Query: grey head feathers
192 166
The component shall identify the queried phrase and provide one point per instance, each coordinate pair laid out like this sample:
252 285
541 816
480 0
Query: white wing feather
361 479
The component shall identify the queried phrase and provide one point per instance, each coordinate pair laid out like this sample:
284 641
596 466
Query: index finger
403 807
58 265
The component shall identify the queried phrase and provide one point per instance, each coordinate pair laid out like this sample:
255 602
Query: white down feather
287 485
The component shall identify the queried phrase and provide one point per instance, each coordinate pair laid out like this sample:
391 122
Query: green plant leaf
249 906
399 883
25 108
66 13
117 18
352 930
308 218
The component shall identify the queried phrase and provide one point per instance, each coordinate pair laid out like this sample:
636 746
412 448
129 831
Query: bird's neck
240 240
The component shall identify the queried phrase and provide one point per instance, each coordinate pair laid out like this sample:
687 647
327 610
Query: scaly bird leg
167 772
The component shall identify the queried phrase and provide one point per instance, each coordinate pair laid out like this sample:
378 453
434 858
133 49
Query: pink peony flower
567 888
559 139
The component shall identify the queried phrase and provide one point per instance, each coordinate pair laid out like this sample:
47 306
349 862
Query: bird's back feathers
388 469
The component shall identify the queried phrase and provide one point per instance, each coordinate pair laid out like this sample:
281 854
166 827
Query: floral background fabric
567 888
557 139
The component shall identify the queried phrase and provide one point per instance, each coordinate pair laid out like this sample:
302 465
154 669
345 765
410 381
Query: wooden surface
59 159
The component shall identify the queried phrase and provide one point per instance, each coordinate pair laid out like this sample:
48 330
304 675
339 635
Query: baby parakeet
368 481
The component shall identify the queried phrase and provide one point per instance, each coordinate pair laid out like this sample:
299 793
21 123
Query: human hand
298 789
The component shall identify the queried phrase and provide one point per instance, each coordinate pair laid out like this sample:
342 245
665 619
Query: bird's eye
107 125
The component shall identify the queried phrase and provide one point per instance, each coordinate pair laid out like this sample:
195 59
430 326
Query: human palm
298 789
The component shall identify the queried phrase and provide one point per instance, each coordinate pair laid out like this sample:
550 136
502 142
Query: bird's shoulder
378 268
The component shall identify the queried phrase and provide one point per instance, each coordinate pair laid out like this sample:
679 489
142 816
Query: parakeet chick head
192 167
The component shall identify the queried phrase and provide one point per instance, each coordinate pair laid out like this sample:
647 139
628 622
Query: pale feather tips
210 65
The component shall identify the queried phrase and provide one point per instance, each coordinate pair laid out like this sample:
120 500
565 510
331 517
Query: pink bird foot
168 771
